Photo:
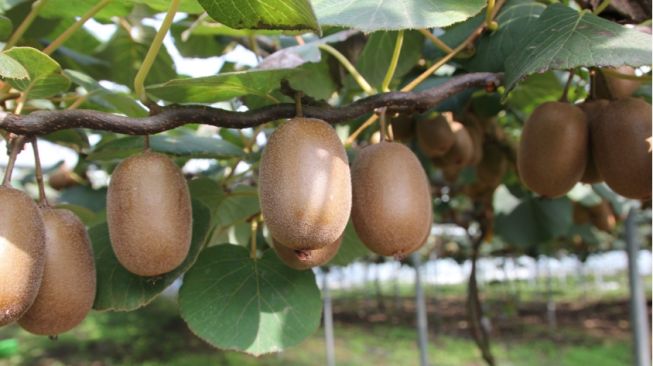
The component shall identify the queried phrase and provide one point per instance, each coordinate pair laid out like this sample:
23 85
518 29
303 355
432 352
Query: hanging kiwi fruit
391 208
303 259
621 146
435 135
67 290
592 110
22 244
305 184
149 214
552 153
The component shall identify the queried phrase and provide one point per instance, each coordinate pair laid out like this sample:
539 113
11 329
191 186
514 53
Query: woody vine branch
169 117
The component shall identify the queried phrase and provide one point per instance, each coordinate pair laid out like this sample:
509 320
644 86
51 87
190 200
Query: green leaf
535 90
12 69
563 38
126 54
45 77
197 45
351 248
85 196
375 58
320 84
6 27
221 87
374 15
255 306
534 221
207 191
185 145
290 57
75 8
185 6
238 205
515 19
74 138
263 14
106 98
120 290
9 347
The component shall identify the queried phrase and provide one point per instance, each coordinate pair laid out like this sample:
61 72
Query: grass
156 336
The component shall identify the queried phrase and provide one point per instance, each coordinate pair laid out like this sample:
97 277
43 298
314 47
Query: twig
16 147
43 122
436 41
63 37
38 172
393 62
360 80
22 28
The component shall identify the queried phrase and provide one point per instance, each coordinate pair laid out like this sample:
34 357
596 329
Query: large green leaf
375 58
6 27
533 221
12 69
120 290
207 191
351 248
45 75
238 205
75 8
221 87
263 14
185 145
106 98
256 306
563 38
493 48
373 15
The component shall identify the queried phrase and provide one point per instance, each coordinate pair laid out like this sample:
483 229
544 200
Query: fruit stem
565 92
489 15
436 41
146 142
382 124
139 80
63 37
38 172
16 147
599 9
360 80
393 62
299 112
22 28
252 242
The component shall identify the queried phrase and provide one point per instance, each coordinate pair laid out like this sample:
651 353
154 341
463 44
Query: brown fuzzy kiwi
403 127
391 208
592 110
22 253
462 151
553 149
621 144
602 217
305 184
619 87
435 136
62 178
305 259
149 214
68 288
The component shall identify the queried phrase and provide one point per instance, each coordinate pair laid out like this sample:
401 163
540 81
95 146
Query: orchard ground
372 327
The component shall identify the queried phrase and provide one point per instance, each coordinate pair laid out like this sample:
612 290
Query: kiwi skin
621 144
434 136
403 127
22 244
305 184
552 153
149 214
305 259
67 292
391 209
619 87
462 150
592 111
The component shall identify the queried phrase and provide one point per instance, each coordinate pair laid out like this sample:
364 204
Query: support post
422 324
328 321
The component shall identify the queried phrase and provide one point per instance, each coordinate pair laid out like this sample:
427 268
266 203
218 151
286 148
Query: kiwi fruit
602 217
462 150
552 153
67 291
435 136
305 184
305 259
403 127
149 214
620 87
592 110
489 172
621 144
22 245
391 209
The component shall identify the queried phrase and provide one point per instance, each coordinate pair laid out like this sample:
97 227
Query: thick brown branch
43 122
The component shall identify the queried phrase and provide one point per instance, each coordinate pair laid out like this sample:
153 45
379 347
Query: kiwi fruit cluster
597 140
47 255
149 214
308 192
